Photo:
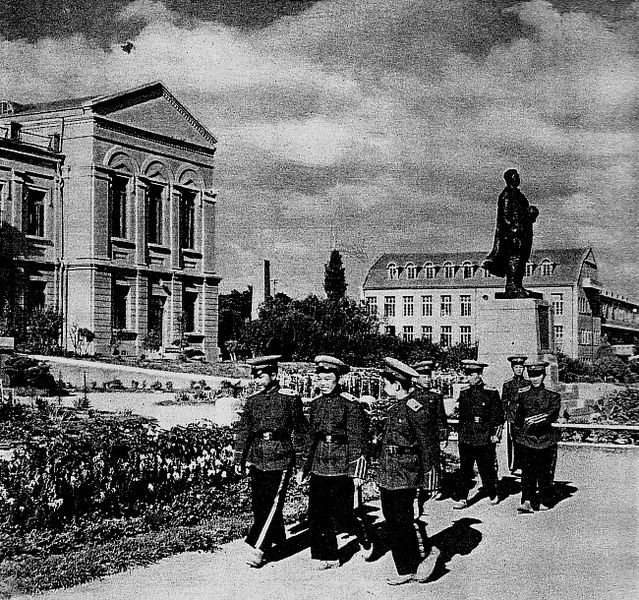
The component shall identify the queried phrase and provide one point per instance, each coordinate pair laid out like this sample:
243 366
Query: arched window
123 169
429 271
157 178
392 271
468 270
546 268
449 270
411 271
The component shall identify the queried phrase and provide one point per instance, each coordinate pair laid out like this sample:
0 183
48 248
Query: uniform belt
394 449
333 438
272 434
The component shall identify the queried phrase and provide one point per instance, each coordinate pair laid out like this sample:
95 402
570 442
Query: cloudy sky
369 125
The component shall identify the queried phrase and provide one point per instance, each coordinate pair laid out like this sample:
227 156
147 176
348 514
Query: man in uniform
434 401
509 394
409 451
336 449
481 419
264 446
535 410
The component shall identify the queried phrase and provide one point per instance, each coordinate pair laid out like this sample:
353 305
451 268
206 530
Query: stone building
114 196
436 296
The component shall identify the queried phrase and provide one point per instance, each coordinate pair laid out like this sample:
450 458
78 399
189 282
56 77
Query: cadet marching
334 446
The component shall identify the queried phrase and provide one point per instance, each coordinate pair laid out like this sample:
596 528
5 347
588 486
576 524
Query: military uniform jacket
337 440
480 414
270 427
409 445
533 401
510 393
434 402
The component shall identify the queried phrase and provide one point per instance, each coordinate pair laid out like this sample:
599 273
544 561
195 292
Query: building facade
121 237
435 296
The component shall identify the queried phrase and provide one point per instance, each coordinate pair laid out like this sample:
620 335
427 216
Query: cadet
336 448
409 450
434 401
535 410
481 419
509 393
264 445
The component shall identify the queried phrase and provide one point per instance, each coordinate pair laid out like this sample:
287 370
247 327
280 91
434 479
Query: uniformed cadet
434 401
409 450
481 419
271 425
336 449
535 410
509 393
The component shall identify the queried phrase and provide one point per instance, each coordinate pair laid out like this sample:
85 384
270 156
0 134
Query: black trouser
397 506
484 456
268 490
537 472
330 510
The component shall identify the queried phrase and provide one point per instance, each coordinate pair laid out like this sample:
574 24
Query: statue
513 238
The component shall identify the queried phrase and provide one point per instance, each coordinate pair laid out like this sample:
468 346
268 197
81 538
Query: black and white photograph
322 299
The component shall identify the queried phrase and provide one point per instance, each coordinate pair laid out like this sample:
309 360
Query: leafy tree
43 329
234 313
334 279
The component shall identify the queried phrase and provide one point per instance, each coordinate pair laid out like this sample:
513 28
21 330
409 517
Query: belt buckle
268 435
392 449
328 438
477 419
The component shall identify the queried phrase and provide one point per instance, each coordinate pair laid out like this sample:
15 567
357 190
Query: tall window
371 305
36 296
582 304
118 206
465 335
557 304
465 305
546 268
429 271
389 330
407 333
449 270
187 219
409 307
485 272
389 306
559 337
189 310
446 337
469 271
427 306
154 194
446 306
120 307
411 271
156 316
392 271
530 269
427 332
34 201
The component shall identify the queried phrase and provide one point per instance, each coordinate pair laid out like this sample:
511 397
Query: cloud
384 126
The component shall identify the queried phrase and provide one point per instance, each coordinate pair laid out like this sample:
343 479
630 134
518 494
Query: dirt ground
586 547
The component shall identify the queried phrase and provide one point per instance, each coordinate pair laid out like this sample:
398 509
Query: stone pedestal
514 326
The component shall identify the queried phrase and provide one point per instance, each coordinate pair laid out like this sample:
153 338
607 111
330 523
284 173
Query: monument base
508 326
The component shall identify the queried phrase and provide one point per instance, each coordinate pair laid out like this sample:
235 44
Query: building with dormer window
114 196
453 285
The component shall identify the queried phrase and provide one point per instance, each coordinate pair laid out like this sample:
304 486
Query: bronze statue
513 238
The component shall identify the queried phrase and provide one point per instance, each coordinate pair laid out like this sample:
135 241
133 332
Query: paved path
587 547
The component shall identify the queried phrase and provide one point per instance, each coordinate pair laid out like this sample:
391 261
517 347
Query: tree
334 279
234 313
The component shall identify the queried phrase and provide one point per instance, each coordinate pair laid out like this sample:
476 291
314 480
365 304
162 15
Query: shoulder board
316 397
348 397
287 392
490 389
524 389
464 388
414 404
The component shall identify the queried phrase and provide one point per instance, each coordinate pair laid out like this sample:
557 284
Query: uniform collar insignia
414 404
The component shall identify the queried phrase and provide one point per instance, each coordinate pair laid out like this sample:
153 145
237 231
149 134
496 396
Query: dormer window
468 270
392 271
429 271
449 270
411 271
546 268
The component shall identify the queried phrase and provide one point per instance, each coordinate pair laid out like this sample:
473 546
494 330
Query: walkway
586 547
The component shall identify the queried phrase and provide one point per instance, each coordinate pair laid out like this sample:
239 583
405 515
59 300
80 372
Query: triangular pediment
152 108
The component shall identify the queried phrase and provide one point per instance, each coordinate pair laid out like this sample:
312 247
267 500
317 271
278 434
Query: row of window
449 270
154 199
445 338
408 306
